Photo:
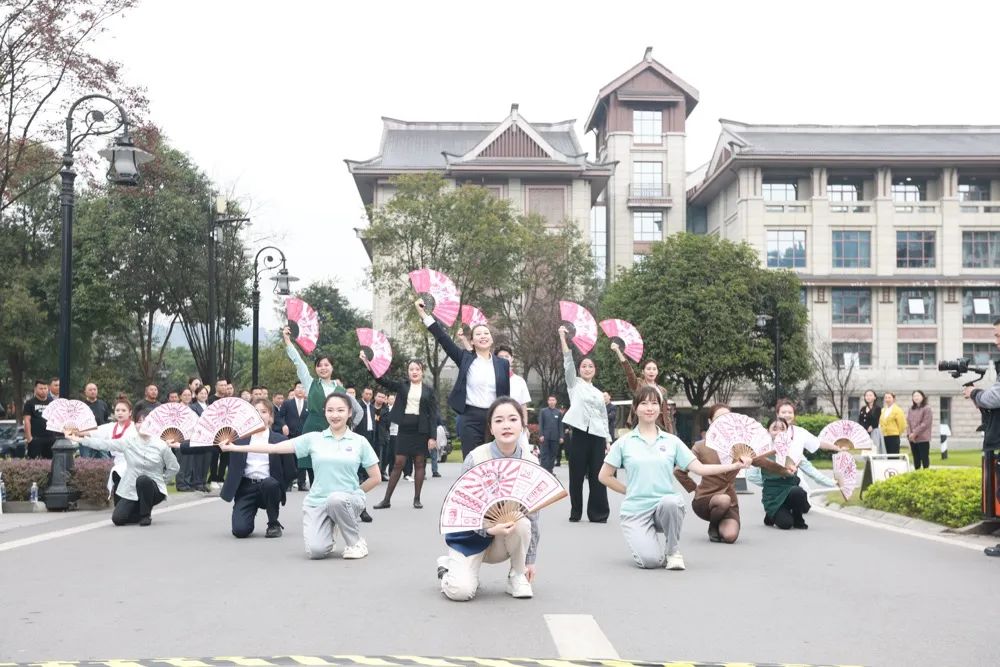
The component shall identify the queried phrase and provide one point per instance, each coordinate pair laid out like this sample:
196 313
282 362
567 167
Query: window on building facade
550 203
981 250
852 249
914 354
804 296
647 179
781 191
980 353
853 408
980 305
851 306
916 306
915 250
647 127
647 226
638 257
974 191
844 353
909 189
845 191
786 248
599 241
944 410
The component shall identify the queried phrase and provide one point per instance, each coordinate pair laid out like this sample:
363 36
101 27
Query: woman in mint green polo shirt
649 456
335 499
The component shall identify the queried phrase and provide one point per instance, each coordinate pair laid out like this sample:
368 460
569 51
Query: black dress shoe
574 519
385 478
437 474
417 505
768 521
273 530
800 524
713 532
992 551
145 521
365 516
384 505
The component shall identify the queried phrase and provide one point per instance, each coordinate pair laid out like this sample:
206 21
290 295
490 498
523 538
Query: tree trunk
15 362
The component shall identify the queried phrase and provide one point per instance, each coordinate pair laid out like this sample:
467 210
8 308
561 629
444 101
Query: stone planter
23 507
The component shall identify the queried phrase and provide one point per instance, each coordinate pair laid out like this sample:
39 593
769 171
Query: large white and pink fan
438 292
785 449
225 421
473 317
304 323
845 471
734 435
375 345
65 415
627 337
498 491
173 422
581 325
846 434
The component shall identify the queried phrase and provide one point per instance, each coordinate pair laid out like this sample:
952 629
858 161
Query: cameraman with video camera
988 401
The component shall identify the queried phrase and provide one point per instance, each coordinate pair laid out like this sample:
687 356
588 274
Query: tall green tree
466 233
695 299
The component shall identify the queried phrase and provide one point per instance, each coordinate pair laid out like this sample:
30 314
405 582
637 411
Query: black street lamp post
217 220
762 321
282 286
124 159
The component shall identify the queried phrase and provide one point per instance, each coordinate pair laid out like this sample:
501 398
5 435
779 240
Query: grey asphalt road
839 593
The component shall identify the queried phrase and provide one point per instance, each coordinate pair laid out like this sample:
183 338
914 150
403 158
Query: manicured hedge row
949 497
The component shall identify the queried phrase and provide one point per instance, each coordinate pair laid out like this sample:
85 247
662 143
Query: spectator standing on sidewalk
919 423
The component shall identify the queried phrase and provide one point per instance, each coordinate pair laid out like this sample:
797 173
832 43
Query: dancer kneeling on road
253 480
715 498
785 502
149 466
335 499
649 455
516 542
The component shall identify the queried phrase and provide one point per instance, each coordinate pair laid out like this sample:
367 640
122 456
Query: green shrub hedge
949 497
90 479
18 474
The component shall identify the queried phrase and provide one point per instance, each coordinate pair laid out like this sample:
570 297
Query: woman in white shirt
589 418
116 430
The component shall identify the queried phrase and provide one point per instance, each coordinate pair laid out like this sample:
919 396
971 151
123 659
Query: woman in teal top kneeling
649 455
335 499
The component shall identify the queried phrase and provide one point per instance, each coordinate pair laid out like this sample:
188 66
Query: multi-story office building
540 167
894 231
638 120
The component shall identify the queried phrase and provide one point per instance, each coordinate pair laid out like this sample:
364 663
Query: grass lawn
970 458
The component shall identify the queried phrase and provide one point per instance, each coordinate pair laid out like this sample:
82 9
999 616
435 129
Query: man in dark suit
550 433
366 426
293 415
256 481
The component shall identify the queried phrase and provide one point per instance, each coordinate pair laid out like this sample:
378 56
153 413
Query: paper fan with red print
473 317
627 337
173 422
375 345
734 435
304 323
845 471
65 415
438 292
498 491
581 325
225 421
845 433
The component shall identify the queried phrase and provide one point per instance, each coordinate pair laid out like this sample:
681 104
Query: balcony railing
980 207
850 207
785 207
649 195
917 207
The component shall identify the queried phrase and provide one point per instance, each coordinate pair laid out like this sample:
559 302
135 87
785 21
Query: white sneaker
518 586
215 486
675 561
407 478
359 550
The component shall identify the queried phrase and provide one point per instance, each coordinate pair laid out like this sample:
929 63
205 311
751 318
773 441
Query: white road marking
579 636
93 525
843 516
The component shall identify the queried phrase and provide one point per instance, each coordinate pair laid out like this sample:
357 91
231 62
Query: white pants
461 580
640 531
341 510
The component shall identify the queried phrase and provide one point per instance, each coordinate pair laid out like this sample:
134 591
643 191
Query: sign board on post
881 467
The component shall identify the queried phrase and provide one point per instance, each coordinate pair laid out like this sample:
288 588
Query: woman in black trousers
416 412
482 377
589 419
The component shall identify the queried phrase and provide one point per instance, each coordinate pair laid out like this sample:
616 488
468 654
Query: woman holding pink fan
650 371
150 465
651 506
589 418
316 393
416 412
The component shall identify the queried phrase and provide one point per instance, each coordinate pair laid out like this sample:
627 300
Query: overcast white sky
270 97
